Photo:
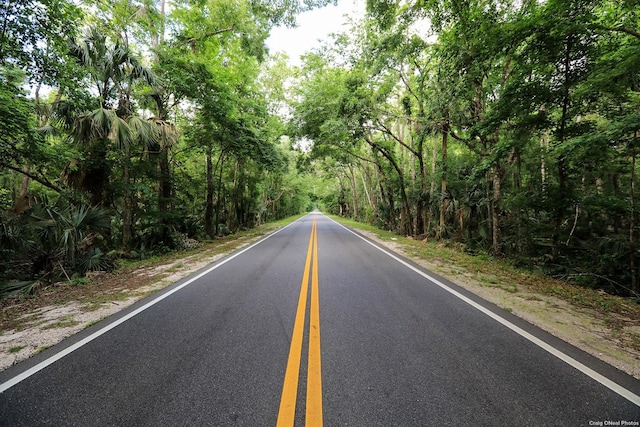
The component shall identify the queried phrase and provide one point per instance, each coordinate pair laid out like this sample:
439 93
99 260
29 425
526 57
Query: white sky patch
305 145
313 28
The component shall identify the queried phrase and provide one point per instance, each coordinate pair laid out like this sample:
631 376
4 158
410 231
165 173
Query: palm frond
121 133
95 260
92 126
43 109
139 71
167 131
48 130
13 288
64 113
145 133
101 122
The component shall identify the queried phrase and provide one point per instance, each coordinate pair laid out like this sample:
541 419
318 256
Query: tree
34 34
113 69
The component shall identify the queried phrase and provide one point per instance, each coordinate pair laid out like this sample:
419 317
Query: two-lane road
314 324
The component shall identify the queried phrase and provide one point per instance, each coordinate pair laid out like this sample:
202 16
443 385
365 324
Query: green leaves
126 101
532 107
17 123
34 35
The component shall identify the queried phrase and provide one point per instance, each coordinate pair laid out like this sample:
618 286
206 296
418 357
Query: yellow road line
314 375
286 413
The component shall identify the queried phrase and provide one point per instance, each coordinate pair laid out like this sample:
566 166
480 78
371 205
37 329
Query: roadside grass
43 348
449 260
64 322
95 301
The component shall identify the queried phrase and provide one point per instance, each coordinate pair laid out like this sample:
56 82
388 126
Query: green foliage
5 200
17 124
111 160
52 241
34 36
511 128
532 110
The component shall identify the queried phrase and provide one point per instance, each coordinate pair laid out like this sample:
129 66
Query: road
318 326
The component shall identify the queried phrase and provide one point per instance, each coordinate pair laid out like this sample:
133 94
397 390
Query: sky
313 26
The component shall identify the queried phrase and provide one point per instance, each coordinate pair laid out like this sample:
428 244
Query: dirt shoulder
27 326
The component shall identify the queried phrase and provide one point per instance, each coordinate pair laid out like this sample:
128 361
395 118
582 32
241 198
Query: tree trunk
208 209
488 191
523 239
127 211
365 184
220 195
632 221
544 146
236 194
354 192
164 194
163 17
96 174
496 212
407 224
562 173
386 194
432 191
421 211
405 220
405 213
22 202
443 186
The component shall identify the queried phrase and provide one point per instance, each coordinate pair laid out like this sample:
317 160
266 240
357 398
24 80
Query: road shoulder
614 341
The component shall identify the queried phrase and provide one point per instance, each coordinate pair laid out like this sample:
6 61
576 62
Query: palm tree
53 240
113 69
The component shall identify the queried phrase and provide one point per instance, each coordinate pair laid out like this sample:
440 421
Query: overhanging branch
41 180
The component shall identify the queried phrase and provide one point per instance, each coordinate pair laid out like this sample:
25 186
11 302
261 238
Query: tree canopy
507 126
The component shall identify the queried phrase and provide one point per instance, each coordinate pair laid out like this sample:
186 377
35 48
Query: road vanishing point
315 325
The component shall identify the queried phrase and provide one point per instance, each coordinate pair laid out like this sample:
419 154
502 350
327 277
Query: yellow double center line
286 414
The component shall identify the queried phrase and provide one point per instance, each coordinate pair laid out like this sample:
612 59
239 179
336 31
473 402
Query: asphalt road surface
315 325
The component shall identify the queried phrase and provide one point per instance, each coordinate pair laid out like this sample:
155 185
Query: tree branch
36 178
206 35
388 131
621 29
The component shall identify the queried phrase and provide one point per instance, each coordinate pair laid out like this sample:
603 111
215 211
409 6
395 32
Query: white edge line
40 366
627 394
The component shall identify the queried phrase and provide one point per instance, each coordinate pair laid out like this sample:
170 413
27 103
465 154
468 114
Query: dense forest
135 127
